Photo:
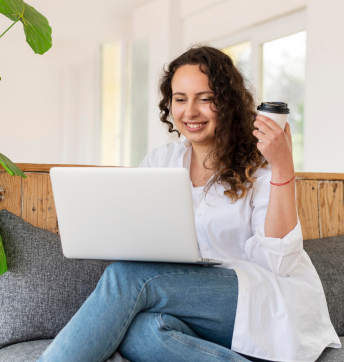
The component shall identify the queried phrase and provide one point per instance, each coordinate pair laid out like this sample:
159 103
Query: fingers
269 122
261 136
262 127
287 129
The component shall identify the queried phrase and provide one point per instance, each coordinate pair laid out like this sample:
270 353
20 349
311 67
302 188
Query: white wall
30 112
49 104
80 108
324 125
231 16
48 111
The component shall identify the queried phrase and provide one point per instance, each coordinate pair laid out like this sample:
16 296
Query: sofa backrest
319 199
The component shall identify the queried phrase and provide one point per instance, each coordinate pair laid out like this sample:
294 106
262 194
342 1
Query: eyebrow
196 94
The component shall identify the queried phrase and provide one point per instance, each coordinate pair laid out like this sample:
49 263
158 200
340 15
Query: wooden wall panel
30 198
331 208
51 218
307 207
41 210
319 200
12 193
38 203
46 213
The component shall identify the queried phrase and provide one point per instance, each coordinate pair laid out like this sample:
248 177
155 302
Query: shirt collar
186 143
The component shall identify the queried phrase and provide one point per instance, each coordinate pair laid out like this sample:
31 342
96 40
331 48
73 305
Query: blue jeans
153 312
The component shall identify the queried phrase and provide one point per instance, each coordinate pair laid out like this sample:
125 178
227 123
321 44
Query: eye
179 100
205 99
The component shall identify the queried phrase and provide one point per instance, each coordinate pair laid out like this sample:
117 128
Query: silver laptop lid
125 213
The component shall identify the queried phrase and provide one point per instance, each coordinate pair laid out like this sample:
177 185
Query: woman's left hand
276 145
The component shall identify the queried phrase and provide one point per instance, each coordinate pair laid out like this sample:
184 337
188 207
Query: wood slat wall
38 207
319 200
12 193
307 205
331 208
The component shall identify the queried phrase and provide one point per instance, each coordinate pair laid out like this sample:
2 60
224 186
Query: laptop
118 213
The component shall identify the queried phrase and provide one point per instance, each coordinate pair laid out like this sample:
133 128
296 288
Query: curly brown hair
234 154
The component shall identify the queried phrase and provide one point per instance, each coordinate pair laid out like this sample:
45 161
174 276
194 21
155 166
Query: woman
267 300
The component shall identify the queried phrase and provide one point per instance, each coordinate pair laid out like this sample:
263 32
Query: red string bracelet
283 183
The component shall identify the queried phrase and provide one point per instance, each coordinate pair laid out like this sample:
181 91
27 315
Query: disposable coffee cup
277 111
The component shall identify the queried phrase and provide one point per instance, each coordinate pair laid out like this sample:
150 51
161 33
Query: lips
193 128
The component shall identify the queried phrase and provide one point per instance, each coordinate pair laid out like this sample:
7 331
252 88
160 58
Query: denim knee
121 272
121 268
169 323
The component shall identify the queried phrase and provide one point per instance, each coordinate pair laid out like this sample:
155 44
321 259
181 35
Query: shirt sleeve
149 160
280 256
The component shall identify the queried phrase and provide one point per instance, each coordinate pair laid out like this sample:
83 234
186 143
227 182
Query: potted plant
38 36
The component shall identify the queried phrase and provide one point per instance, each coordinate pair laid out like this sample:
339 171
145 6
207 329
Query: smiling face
192 109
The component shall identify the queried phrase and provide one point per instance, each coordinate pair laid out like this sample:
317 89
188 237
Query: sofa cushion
25 351
327 255
42 289
31 351
331 354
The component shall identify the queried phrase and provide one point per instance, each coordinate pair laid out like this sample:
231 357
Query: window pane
241 56
111 105
139 101
284 65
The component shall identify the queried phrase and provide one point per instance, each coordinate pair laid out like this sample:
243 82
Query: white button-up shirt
282 313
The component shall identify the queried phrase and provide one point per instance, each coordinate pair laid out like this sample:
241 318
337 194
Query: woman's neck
199 153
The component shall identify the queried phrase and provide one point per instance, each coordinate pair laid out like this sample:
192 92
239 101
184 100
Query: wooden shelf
319 176
40 167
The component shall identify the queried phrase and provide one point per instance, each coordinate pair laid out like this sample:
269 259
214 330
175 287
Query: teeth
195 125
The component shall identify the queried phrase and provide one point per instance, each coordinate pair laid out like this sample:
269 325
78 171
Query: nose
191 110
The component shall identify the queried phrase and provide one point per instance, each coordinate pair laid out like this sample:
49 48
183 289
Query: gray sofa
43 290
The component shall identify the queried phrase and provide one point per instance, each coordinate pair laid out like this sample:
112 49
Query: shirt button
199 214
205 248
245 289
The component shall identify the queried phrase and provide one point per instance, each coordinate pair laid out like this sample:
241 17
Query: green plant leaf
3 262
10 167
36 26
13 9
37 30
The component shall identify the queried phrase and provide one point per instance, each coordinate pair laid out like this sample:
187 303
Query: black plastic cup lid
274 107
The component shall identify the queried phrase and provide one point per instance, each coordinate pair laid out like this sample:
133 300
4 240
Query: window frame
120 130
260 34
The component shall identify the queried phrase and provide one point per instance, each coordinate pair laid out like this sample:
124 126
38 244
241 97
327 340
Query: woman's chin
199 139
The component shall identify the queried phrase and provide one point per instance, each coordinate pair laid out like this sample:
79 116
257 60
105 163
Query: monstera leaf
10 167
3 263
36 26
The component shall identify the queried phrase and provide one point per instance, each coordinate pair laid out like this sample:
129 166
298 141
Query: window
139 101
111 101
283 79
272 57
115 138
241 55
124 103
